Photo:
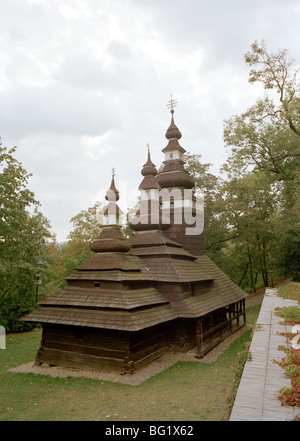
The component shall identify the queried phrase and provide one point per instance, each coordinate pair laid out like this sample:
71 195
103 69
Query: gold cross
171 104
113 172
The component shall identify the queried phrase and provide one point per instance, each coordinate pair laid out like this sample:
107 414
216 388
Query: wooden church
139 298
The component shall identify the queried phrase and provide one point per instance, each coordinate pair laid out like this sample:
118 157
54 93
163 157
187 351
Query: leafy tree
86 226
267 135
287 233
274 71
22 242
239 222
252 208
266 139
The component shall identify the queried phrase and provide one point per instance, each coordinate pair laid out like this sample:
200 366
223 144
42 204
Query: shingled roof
166 260
74 296
149 172
114 319
222 292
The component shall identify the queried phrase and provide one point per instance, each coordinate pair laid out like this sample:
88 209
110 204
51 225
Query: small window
97 284
171 155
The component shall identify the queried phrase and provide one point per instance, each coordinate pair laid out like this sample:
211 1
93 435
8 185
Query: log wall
83 348
94 349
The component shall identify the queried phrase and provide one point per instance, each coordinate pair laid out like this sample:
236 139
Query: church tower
149 216
178 199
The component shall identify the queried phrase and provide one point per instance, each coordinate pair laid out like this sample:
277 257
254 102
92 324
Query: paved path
256 399
253 300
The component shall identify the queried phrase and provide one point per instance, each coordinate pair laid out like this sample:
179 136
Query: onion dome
149 168
111 238
173 132
149 172
148 216
112 193
173 174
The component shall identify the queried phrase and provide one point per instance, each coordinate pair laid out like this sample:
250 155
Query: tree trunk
244 275
265 262
251 270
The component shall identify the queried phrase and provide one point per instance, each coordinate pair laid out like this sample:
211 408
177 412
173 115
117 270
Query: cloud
84 85
55 109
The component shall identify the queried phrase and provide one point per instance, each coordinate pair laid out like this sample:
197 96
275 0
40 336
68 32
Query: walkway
256 399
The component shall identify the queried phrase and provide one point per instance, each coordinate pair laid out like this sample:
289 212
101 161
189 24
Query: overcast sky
84 86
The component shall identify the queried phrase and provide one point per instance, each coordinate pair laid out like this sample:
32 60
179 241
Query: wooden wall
94 349
194 244
148 345
181 335
83 348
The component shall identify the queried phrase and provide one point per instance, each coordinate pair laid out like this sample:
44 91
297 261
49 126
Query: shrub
291 314
290 396
12 309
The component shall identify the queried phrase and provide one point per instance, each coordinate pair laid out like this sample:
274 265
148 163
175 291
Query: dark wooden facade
95 349
166 299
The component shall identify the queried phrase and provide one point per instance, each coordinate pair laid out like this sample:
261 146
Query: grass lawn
187 391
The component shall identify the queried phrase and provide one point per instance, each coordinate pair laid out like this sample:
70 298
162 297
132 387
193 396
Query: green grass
291 314
290 291
187 391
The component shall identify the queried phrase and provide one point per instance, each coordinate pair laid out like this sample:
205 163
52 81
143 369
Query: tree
86 227
252 207
239 222
275 71
266 139
267 135
22 242
86 224
287 233
252 216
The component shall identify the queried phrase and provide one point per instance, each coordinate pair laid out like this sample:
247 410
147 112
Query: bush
290 396
12 310
291 314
